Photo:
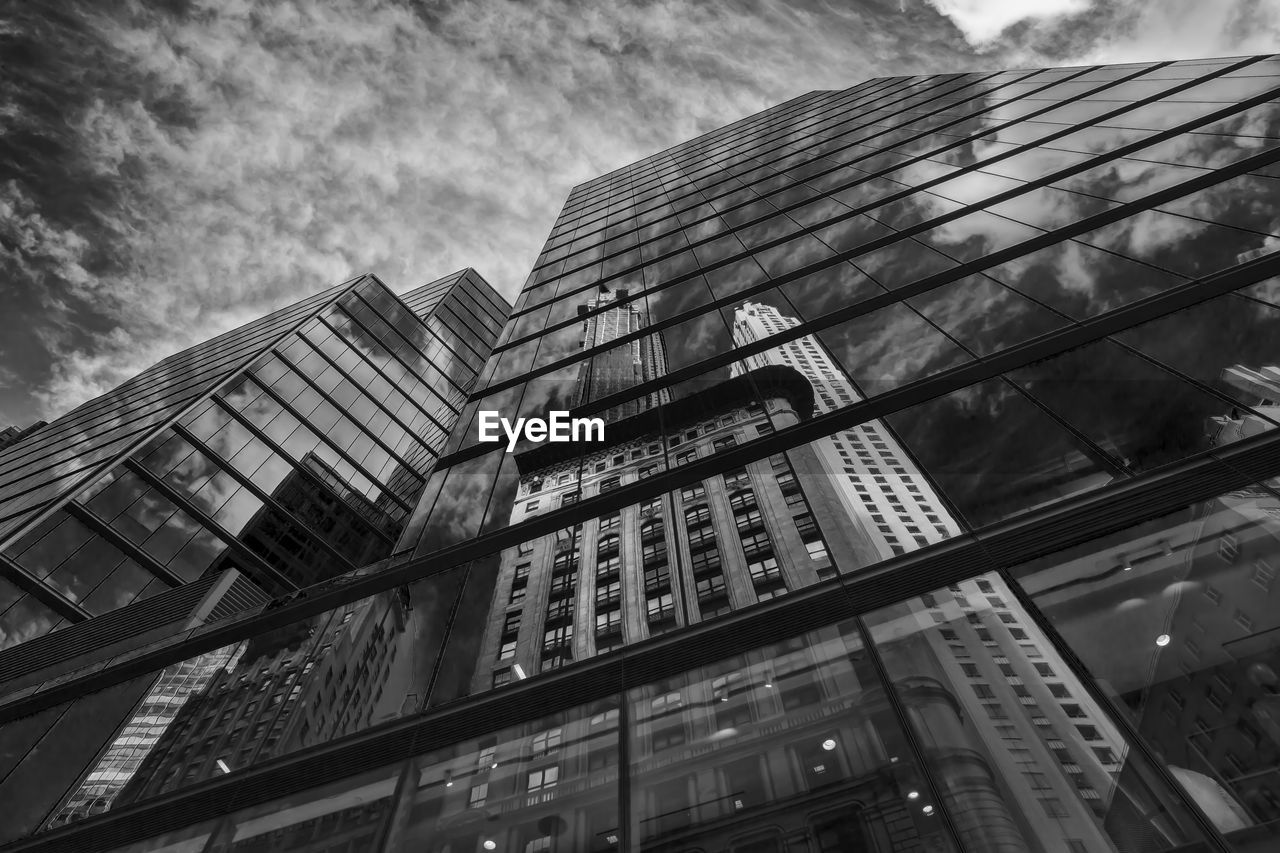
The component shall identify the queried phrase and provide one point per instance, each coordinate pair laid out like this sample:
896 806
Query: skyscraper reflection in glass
935 511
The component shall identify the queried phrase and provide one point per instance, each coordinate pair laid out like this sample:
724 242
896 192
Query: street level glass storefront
936 510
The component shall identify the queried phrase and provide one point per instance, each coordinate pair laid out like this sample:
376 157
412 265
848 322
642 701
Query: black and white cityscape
935 508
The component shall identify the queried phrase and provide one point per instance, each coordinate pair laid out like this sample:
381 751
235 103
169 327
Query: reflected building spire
877 481
607 318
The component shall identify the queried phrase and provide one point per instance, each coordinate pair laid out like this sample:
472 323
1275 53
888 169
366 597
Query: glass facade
290 451
933 512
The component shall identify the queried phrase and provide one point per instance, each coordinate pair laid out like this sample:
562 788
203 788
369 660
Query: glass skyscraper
290 450
226 477
937 509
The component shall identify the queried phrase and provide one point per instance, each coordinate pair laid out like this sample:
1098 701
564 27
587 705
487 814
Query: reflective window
302 685
1023 759
800 721
1190 653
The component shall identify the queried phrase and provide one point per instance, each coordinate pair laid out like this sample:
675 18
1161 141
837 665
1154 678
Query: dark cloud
171 171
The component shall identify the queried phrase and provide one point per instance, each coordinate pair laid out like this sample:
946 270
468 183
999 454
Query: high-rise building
291 449
1003 304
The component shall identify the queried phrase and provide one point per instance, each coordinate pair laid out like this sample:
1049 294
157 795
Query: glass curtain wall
842 350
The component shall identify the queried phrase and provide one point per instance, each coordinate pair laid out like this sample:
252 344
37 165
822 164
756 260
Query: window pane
1177 618
1139 414
1018 764
993 453
304 684
799 719
549 784
358 807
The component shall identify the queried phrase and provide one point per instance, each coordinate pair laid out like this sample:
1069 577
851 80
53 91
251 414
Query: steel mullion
943 383
189 507
1115 715
267 500
344 412
805 609
446 559
24 580
381 374
117 540
325 440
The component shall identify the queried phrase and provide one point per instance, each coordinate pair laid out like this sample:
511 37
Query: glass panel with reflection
1025 755
549 784
793 739
1177 620
297 686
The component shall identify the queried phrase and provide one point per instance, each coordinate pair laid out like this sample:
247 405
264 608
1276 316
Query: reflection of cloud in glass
888 347
458 510
696 340
984 316
993 453
980 233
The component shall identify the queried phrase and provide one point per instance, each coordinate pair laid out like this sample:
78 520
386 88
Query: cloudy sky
173 169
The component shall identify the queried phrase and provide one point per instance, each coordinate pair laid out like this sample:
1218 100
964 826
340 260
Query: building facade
727 543
1036 309
291 450
292 461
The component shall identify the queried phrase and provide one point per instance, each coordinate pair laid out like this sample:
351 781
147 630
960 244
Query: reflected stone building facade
726 543
935 512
